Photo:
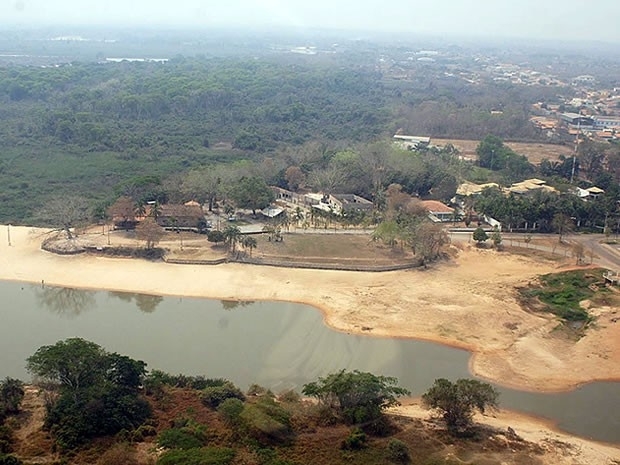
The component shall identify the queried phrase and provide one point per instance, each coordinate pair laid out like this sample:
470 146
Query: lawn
332 247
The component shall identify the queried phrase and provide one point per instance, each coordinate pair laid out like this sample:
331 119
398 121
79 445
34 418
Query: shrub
356 440
289 396
256 390
9 460
205 456
267 421
230 411
6 439
398 451
119 454
213 396
143 432
179 438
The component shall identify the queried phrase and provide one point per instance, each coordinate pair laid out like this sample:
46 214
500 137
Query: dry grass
332 247
535 152
313 442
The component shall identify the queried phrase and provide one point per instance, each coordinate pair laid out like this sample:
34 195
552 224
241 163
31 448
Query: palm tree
298 216
231 236
250 243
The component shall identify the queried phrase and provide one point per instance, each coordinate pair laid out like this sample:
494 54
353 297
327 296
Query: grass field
332 247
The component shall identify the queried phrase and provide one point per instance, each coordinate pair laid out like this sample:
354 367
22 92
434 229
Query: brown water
277 345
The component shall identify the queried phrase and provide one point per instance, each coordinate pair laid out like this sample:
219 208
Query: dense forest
87 128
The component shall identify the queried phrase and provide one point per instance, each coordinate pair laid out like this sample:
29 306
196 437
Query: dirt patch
535 152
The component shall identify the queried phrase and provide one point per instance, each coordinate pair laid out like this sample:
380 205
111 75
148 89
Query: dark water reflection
278 345
65 301
146 303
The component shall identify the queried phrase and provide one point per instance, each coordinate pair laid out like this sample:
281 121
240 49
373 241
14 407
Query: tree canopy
357 396
98 391
456 402
251 192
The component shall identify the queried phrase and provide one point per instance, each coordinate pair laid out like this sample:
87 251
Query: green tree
249 243
492 153
398 452
496 237
388 232
215 394
73 364
359 397
97 392
231 236
11 395
216 236
480 236
252 193
456 402
562 224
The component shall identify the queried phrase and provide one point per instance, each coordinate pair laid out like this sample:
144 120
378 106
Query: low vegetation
562 293
258 427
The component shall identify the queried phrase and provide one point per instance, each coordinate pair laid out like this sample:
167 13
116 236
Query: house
606 122
530 186
589 193
346 203
438 212
272 212
469 188
173 216
576 119
339 204
288 196
412 142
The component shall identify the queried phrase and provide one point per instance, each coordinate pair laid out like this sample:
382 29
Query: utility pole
8 233
572 173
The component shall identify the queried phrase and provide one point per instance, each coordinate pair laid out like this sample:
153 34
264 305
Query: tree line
88 127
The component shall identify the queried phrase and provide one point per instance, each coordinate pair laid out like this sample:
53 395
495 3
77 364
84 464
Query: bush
119 454
256 390
9 460
398 451
230 411
6 439
213 396
180 438
143 432
267 421
290 396
205 456
356 440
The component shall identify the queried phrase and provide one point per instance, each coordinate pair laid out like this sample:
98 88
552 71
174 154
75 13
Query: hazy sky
548 19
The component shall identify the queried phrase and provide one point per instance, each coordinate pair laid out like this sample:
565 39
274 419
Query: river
274 344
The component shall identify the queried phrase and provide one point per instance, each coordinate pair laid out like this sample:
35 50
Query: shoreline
349 302
453 304
559 447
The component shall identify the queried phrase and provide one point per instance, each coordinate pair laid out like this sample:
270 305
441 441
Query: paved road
605 255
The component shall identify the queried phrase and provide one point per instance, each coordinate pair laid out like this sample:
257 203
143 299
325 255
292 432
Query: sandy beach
468 302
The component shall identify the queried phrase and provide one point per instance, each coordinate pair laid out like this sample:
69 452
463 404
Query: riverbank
555 447
468 302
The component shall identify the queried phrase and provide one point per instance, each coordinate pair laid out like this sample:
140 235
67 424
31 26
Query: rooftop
435 206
